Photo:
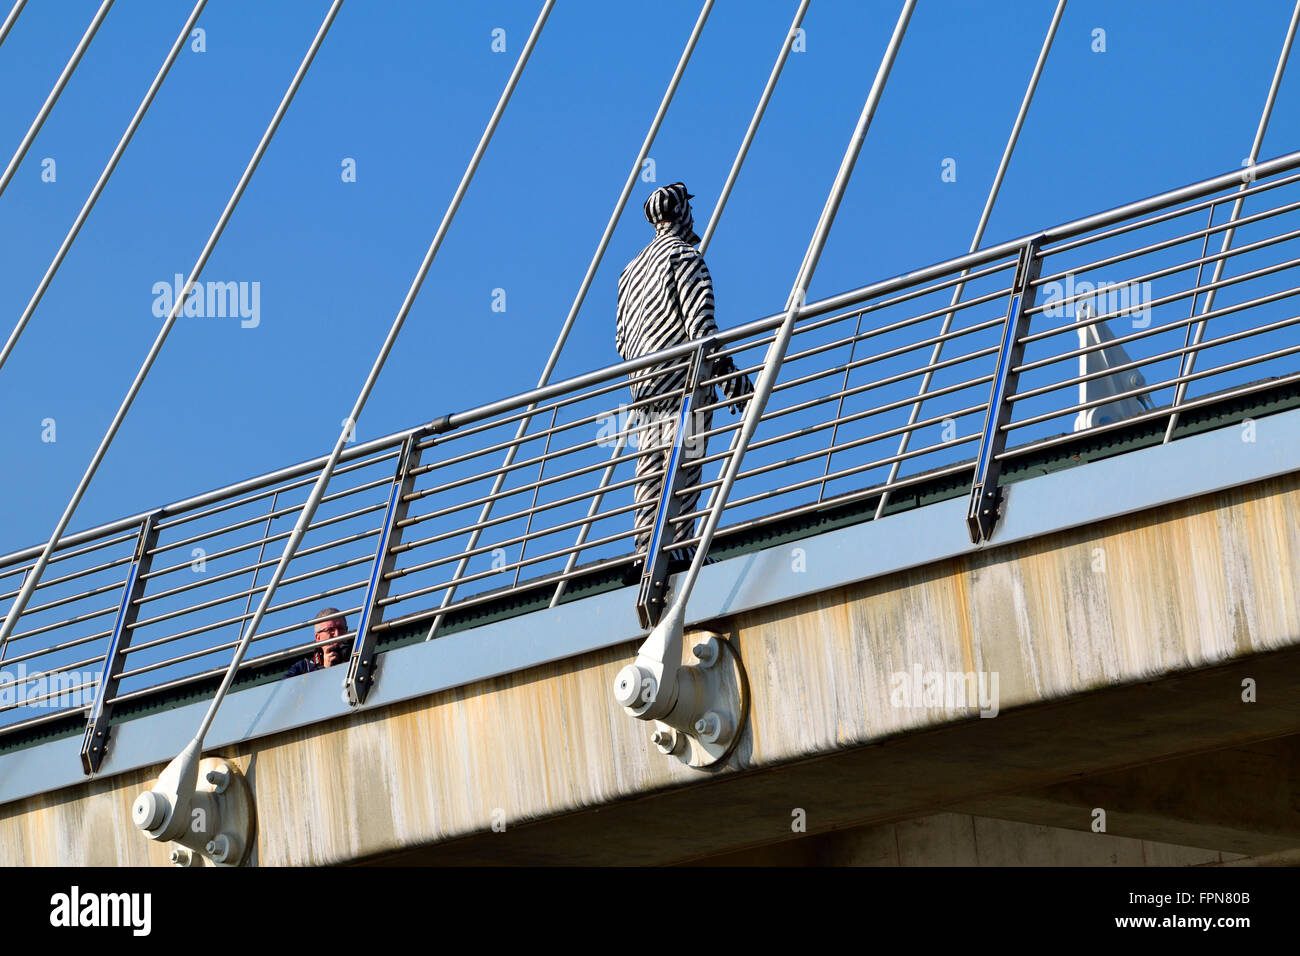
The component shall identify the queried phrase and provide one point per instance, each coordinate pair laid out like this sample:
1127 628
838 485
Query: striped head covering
672 204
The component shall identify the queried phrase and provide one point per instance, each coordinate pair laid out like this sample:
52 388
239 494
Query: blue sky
405 89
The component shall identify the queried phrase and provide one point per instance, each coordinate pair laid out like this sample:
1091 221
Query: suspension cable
318 490
1189 362
71 237
59 84
974 244
9 20
577 302
675 615
757 118
714 219
30 582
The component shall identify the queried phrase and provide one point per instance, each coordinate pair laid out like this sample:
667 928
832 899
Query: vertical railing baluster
94 744
986 494
839 408
654 574
261 553
4 645
596 501
1187 335
362 665
541 468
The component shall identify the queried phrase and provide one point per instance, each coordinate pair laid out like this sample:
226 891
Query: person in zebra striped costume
665 298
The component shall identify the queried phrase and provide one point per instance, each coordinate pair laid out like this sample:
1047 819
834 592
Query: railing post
839 407
596 500
654 575
532 508
986 494
361 667
95 742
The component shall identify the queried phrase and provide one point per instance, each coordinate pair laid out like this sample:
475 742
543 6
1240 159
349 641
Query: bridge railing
884 388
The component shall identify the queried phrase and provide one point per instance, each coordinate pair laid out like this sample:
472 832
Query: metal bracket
986 494
361 666
710 701
654 576
205 806
94 745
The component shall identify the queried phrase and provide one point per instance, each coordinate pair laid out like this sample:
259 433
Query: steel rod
12 17
798 292
1190 364
1171 297
1260 186
754 122
1165 383
54 93
821 307
590 275
267 493
1158 329
845 473
318 490
1030 447
1183 266
596 502
1203 234
249 522
20 602
104 176
1160 357
257 566
991 199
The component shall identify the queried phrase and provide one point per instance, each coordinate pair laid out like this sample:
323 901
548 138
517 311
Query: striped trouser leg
692 472
654 440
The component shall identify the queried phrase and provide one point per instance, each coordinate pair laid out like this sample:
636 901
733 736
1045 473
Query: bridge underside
1121 751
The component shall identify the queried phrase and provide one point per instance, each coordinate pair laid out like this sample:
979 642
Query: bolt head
666 740
710 727
706 652
218 848
149 810
629 683
219 778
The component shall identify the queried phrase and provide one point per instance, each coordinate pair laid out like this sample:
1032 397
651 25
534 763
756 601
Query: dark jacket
305 666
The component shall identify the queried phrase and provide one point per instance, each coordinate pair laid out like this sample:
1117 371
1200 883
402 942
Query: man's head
329 624
671 205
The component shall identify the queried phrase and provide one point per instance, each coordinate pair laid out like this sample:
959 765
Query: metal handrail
575 489
480 413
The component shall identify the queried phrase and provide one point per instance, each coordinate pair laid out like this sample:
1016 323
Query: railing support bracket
985 504
94 743
363 664
654 575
